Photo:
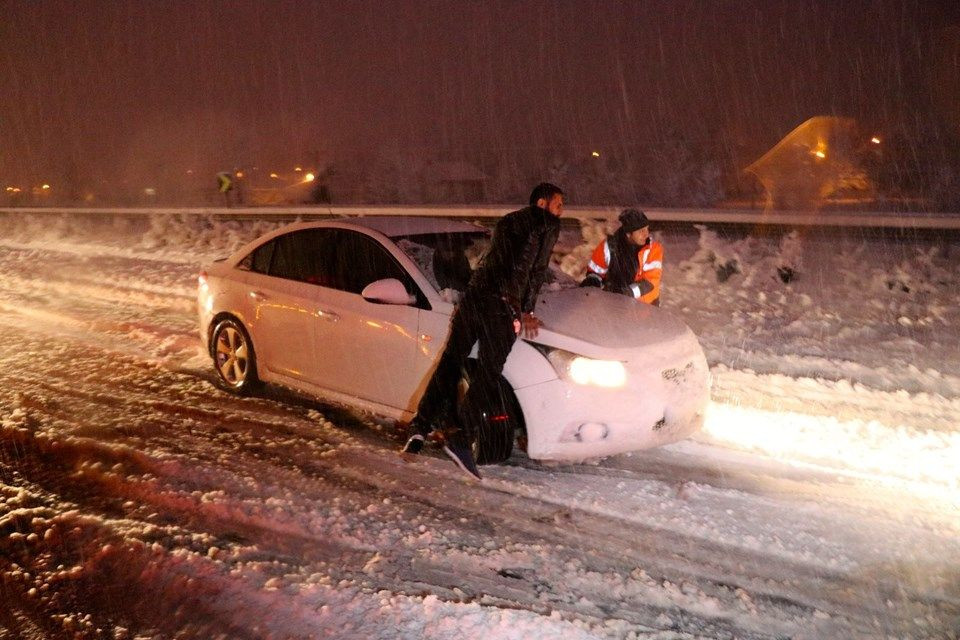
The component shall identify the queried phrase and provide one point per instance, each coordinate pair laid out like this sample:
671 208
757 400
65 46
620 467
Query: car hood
599 324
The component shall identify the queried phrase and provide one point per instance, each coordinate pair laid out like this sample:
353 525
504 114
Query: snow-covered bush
714 261
756 261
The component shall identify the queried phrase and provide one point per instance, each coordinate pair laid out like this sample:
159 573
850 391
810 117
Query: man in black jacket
496 307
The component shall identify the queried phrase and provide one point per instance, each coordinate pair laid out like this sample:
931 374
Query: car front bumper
571 422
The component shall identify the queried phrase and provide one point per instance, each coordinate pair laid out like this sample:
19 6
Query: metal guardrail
895 220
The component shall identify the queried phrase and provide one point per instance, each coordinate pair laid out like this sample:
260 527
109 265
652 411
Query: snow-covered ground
822 499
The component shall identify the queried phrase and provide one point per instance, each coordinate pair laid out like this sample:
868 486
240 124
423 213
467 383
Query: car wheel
495 420
233 358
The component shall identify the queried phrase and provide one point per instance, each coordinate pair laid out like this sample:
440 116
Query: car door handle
329 316
259 295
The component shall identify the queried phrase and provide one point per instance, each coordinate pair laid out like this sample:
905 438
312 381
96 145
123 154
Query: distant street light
273 175
595 154
46 186
298 169
309 177
875 140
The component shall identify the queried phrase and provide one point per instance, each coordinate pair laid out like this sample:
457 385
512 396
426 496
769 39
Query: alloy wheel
232 358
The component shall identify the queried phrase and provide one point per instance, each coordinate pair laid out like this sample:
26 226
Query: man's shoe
413 446
463 458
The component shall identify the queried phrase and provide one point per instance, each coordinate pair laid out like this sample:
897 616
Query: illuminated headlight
582 370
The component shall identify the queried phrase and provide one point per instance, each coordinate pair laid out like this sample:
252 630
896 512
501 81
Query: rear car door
284 289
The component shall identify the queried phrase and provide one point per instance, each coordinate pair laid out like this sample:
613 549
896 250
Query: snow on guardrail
902 220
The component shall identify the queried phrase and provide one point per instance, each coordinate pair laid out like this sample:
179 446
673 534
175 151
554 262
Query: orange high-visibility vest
649 268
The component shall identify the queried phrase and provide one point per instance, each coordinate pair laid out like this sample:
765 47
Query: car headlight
583 370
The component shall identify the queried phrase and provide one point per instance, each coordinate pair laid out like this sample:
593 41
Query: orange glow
820 150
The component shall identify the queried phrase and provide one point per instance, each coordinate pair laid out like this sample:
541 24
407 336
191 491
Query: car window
449 259
262 256
258 260
362 260
446 259
305 256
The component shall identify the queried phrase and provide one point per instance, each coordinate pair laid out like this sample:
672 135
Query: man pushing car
628 261
496 307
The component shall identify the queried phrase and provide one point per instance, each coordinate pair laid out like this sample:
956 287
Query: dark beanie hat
633 219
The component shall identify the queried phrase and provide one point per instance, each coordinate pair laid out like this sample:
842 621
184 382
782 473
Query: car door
284 290
373 351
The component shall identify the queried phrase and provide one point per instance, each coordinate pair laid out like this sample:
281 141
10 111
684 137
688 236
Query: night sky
103 89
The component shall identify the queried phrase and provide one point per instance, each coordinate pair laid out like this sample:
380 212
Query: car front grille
678 375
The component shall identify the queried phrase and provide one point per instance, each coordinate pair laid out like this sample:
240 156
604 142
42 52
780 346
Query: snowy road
137 501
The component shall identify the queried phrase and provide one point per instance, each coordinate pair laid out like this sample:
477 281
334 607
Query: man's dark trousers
485 319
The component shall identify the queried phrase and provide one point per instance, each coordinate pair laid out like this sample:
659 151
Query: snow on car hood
599 324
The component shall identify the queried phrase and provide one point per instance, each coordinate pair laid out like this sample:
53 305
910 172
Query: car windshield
448 259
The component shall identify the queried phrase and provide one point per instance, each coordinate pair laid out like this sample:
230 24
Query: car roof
394 226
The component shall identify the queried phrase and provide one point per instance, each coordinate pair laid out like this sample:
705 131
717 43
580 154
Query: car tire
234 359
495 421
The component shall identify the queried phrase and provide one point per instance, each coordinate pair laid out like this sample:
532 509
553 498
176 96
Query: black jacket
516 264
624 263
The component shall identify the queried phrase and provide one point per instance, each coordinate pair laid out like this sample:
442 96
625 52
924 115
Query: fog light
592 432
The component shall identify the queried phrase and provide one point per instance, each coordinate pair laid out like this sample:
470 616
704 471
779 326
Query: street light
309 177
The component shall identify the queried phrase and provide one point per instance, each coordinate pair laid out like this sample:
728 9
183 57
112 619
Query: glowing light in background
821 150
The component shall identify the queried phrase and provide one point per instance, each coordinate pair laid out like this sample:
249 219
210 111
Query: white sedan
356 311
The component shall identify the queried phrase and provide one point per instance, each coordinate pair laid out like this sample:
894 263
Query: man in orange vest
628 261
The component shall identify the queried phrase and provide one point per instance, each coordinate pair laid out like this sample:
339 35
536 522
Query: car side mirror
387 291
